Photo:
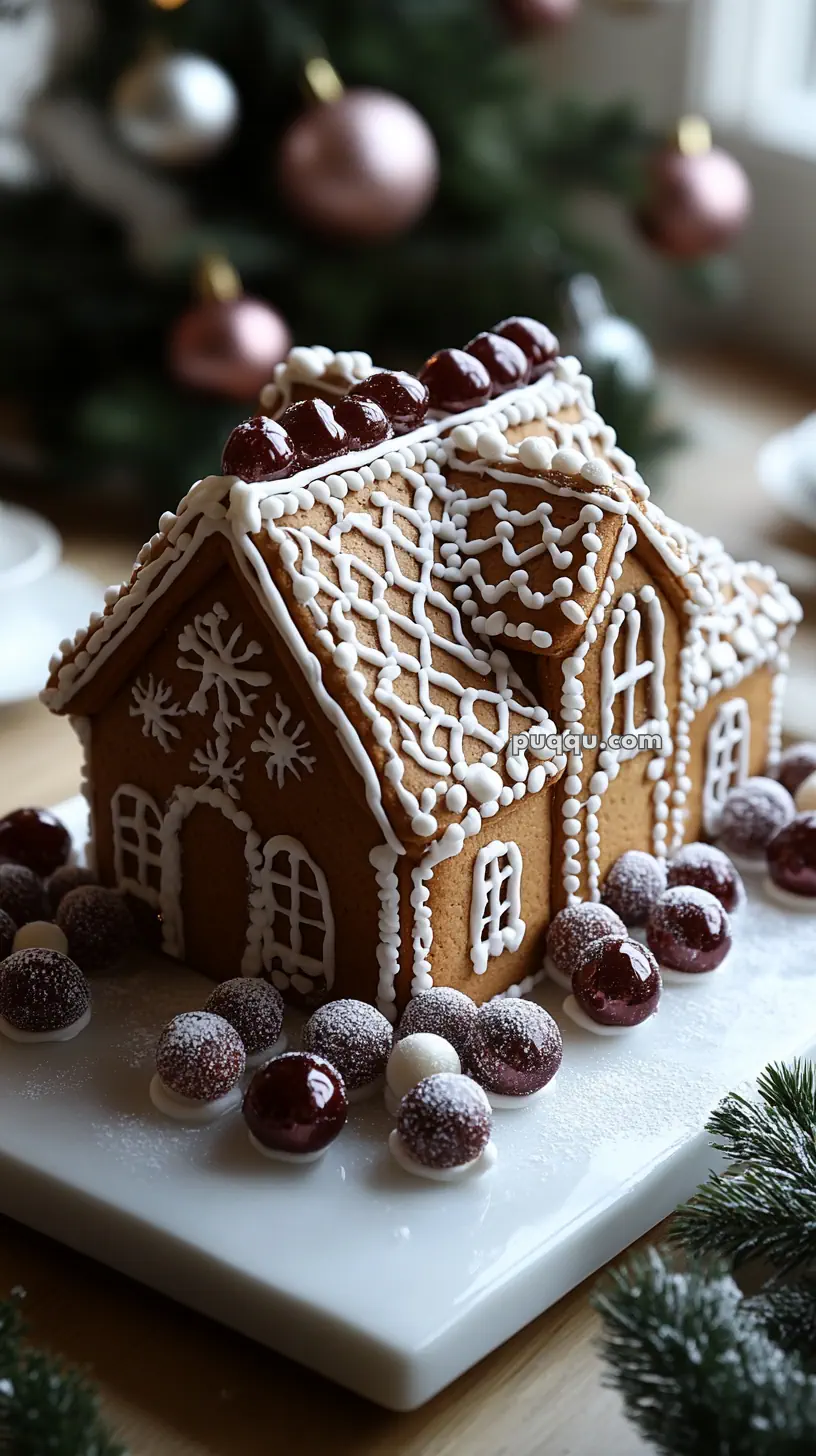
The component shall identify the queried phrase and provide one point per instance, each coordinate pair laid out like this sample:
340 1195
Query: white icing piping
298 968
495 903
727 749
384 862
132 834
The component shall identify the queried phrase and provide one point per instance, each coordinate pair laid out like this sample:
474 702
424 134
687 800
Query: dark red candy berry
259 449
22 894
42 990
709 869
507 364
796 764
752 814
514 1048
688 930
444 1012
98 926
455 381
364 421
316 434
402 397
253 1007
8 930
792 856
296 1104
354 1036
67 877
537 341
573 930
633 885
200 1055
34 838
618 982
445 1121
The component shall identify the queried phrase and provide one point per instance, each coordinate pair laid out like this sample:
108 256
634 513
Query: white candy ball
418 1056
805 796
41 934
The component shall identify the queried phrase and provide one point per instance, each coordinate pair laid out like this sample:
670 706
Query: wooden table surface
176 1384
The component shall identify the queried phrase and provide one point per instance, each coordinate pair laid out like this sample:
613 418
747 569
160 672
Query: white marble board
388 1284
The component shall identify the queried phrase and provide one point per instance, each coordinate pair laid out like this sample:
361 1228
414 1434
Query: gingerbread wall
526 824
755 691
323 808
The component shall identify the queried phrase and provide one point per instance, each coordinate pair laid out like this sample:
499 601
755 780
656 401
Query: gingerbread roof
398 575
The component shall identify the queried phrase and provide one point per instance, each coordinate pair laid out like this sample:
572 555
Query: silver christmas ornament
176 109
602 340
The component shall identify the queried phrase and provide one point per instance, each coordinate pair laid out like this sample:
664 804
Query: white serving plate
388 1284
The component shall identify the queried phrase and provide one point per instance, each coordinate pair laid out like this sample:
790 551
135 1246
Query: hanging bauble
529 16
603 340
227 344
359 164
698 197
176 109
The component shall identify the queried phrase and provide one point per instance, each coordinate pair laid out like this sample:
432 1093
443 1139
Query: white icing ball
536 452
805 796
417 1056
571 462
40 934
483 784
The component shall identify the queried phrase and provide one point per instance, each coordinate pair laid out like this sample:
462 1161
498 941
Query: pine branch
697 1372
764 1206
788 1316
46 1408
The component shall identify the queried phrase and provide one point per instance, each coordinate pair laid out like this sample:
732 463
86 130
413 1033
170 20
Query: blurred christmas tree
152 135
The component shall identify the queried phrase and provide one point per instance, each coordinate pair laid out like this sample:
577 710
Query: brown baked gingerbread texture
366 729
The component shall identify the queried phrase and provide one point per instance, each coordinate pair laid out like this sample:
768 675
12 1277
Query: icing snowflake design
223 669
212 761
284 745
154 705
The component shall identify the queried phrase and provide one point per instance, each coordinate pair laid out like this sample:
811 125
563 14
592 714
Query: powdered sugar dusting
444 1012
354 1036
752 814
573 930
445 1120
200 1055
253 1007
633 885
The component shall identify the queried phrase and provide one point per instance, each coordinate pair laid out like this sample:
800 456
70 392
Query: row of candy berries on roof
390 402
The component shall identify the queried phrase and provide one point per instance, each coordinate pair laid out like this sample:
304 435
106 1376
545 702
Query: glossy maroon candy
752 814
253 1008
364 421
67 877
514 1048
259 449
200 1055
709 869
22 894
618 982
98 926
507 364
537 341
402 397
34 838
296 1104
8 930
633 886
455 381
792 856
573 930
688 930
796 764
354 1036
42 990
445 1121
315 433
442 1011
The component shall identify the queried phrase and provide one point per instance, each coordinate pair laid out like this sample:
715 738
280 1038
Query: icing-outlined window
727 751
639 623
495 906
137 825
298 933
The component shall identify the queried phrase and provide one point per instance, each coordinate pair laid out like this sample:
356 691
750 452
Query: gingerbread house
366 728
